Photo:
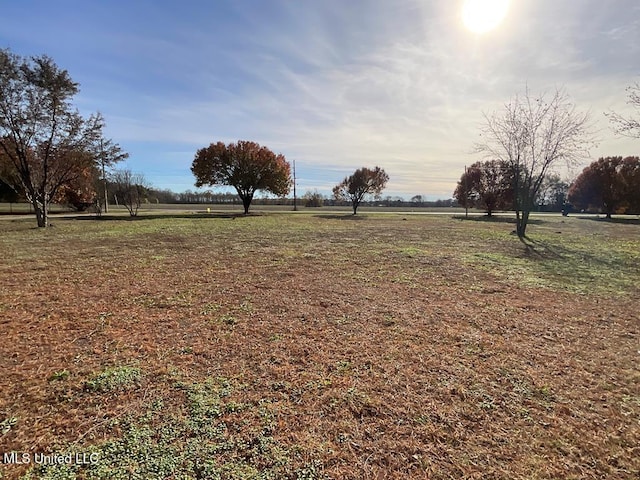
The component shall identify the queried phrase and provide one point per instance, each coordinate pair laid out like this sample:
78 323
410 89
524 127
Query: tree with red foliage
488 185
609 185
245 166
364 181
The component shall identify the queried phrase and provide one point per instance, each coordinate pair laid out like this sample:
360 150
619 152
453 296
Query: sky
334 84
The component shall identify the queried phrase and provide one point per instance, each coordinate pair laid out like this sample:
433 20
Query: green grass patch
113 379
209 435
577 262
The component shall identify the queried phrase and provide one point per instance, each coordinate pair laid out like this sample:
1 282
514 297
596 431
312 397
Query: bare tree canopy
628 126
364 181
129 189
245 166
534 135
44 140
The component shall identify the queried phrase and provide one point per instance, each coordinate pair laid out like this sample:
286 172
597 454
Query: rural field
319 346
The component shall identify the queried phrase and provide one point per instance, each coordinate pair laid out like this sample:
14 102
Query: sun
481 16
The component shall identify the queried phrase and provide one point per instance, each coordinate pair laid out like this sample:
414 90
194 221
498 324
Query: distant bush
313 199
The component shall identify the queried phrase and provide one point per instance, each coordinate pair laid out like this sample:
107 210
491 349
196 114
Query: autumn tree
628 126
245 166
609 185
534 135
487 185
80 192
631 177
43 138
363 182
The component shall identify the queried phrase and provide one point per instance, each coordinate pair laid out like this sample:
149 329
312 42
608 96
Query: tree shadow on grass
632 220
163 216
495 219
348 216
541 250
562 260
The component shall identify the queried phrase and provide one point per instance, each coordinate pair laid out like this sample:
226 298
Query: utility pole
104 178
295 203
466 193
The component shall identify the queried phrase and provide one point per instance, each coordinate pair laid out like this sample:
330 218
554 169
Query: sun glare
481 16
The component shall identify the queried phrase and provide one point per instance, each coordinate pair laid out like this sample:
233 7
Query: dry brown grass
385 347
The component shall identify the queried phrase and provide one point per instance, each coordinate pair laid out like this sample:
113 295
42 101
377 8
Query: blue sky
335 85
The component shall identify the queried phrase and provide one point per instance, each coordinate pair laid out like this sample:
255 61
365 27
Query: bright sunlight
481 16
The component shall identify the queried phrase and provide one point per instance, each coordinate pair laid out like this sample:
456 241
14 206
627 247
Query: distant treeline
309 199
316 199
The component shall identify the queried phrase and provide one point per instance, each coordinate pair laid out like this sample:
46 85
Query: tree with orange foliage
245 166
80 192
609 185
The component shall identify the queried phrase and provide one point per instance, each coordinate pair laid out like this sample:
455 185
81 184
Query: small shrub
313 199
7 424
229 319
114 378
59 376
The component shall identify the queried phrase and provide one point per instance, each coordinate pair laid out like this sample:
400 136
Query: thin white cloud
339 85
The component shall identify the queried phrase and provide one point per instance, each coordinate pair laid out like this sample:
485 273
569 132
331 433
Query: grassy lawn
316 346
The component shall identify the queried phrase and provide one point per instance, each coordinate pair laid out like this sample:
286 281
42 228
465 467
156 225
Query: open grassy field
314 346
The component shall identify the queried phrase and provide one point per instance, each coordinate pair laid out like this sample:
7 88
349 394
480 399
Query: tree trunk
45 215
246 203
521 225
106 195
38 200
355 207
42 216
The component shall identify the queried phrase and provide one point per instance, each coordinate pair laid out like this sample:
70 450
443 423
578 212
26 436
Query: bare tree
628 126
533 136
130 189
